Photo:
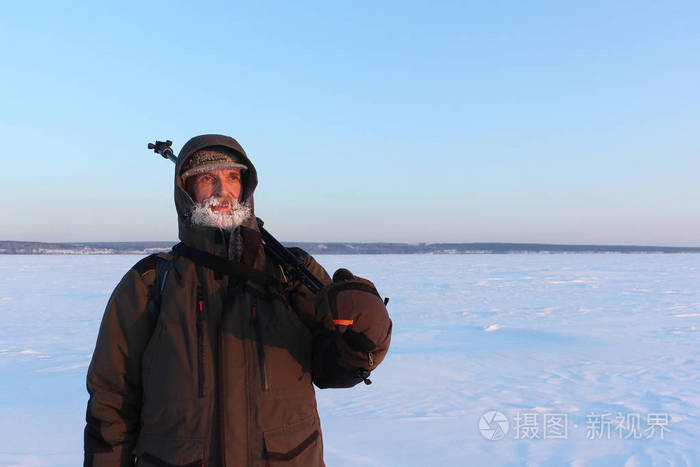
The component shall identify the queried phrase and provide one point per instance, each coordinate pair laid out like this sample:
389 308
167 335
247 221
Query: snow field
542 335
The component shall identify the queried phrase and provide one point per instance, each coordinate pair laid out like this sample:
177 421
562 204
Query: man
207 355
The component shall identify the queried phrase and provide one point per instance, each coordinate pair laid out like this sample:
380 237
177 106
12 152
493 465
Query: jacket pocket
152 451
147 460
297 444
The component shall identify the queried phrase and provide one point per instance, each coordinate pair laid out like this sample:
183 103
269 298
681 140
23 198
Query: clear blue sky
558 122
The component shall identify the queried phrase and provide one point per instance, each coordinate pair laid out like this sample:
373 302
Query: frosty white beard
202 215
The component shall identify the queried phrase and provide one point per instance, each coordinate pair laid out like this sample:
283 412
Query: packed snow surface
586 359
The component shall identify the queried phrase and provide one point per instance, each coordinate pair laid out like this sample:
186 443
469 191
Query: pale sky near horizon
551 122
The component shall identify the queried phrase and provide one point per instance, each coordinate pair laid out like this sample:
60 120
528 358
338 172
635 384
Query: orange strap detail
343 322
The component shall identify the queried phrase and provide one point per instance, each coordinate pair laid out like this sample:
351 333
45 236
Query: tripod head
163 148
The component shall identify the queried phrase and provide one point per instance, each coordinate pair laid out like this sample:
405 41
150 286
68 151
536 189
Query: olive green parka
222 374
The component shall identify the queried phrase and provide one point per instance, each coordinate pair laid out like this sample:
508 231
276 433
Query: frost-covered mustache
204 216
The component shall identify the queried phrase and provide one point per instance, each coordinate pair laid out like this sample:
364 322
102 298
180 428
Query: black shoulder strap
224 266
162 270
162 267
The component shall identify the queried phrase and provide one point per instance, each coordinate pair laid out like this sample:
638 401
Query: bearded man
206 356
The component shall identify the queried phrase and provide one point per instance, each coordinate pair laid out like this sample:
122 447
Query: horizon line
599 245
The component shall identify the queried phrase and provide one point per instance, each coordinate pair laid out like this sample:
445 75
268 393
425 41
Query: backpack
162 264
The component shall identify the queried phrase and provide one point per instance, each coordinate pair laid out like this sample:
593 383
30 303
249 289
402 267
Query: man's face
219 184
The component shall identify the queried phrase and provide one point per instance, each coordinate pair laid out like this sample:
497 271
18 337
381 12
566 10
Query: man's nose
218 188
222 189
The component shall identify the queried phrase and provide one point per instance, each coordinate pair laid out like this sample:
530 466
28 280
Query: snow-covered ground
495 360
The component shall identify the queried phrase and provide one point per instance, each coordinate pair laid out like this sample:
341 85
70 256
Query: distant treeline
337 248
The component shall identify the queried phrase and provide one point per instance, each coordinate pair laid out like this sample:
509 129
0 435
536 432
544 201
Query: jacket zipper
200 342
255 322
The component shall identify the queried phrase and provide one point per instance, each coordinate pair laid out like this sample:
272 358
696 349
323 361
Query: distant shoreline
337 248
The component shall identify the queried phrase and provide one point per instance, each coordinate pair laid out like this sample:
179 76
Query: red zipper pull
200 302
